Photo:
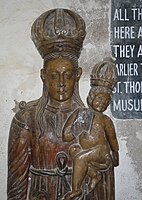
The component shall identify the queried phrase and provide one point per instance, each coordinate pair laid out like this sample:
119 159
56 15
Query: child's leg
81 165
80 168
95 177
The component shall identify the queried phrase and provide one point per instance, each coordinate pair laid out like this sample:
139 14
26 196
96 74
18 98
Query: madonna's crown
58 30
104 74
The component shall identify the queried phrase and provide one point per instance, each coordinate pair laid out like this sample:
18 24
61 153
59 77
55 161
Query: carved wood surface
57 148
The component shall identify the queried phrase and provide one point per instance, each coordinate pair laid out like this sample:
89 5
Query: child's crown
104 74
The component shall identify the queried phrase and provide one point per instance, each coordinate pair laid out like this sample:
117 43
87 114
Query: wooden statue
58 149
37 156
97 149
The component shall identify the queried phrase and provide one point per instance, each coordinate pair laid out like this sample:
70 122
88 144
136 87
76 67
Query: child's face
101 102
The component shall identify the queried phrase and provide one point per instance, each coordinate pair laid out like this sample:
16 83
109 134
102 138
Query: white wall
19 79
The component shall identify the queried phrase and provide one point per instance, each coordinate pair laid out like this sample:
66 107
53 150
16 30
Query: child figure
92 154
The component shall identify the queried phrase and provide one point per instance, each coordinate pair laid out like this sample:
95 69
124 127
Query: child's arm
112 139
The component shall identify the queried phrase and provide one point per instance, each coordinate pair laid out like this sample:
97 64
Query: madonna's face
60 77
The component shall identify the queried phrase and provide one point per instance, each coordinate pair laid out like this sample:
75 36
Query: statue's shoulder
25 115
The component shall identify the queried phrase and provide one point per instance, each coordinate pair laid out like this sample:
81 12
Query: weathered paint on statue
97 149
41 146
35 148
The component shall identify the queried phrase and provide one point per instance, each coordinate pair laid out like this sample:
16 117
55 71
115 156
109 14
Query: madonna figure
37 156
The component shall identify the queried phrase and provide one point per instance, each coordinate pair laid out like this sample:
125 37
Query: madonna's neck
61 105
